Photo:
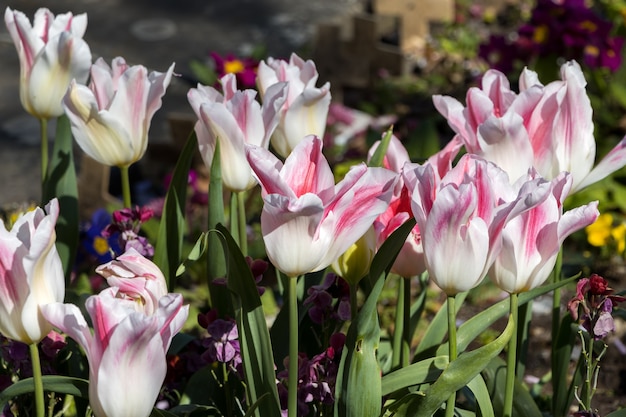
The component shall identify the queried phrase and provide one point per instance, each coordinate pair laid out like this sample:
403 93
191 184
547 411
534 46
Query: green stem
44 150
354 310
511 359
406 328
234 218
452 349
398 330
243 230
292 401
227 390
126 187
39 399
556 297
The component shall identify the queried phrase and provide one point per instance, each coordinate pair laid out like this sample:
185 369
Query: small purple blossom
321 299
593 304
126 225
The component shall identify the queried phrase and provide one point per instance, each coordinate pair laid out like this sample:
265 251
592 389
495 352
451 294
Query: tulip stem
401 338
39 399
243 230
511 359
126 187
292 402
354 310
44 150
452 349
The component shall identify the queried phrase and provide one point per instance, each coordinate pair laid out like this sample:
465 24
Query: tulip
410 259
461 216
306 107
110 119
235 119
547 127
52 53
307 221
126 352
355 262
532 240
137 279
31 274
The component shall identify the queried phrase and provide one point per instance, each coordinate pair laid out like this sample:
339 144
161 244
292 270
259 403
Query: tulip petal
613 161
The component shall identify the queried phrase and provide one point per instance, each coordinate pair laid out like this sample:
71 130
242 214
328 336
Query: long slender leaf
379 154
54 383
358 361
168 249
458 374
254 339
61 183
216 262
425 371
437 329
481 393
563 390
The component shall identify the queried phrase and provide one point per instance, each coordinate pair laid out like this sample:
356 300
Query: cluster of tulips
497 211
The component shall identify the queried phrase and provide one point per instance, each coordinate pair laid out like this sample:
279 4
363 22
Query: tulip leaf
358 359
379 154
168 248
458 374
494 376
216 263
562 386
618 413
481 394
61 183
425 371
254 338
54 383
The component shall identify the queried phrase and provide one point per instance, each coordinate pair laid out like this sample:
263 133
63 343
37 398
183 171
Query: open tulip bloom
305 110
31 274
546 127
236 119
307 221
110 119
126 352
52 53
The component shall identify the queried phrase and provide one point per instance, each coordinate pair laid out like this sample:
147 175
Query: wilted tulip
137 278
126 352
52 53
306 107
110 119
31 274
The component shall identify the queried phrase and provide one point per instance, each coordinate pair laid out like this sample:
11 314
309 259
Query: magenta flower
307 221
243 68
125 344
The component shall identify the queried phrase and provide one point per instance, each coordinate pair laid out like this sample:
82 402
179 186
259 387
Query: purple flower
244 68
223 343
126 225
593 304
322 300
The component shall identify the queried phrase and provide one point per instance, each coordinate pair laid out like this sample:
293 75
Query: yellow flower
618 234
599 232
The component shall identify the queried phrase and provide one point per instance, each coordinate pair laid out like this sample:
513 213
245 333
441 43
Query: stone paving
153 33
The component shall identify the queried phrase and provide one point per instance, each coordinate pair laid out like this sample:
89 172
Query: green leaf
254 339
168 248
198 250
562 386
481 393
379 155
61 183
425 371
53 383
495 378
358 359
216 262
458 374
618 413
